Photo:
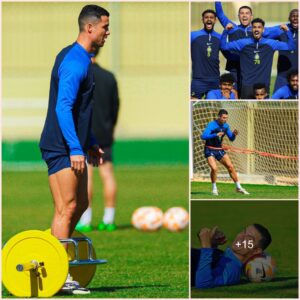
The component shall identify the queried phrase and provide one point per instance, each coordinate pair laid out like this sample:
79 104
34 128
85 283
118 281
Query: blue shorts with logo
218 154
55 161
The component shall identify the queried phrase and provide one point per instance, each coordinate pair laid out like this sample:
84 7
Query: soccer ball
147 218
176 219
260 268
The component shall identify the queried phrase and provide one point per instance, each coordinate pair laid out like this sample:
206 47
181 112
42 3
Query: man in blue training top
288 60
205 46
256 55
242 31
289 91
226 90
213 136
211 267
66 139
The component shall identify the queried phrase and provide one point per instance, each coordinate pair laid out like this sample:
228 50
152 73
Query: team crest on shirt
208 49
256 58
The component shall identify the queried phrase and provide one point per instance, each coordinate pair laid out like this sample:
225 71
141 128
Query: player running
66 138
289 91
211 267
256 55
213 136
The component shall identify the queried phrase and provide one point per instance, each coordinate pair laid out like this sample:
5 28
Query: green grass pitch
202 190
140 265
280 217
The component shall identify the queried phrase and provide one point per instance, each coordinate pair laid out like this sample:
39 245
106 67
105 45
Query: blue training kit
241 32
285 92
68 122
256 56
217 94
287 60
205 46
211 267
210 136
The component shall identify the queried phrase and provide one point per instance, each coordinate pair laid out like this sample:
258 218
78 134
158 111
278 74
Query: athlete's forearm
220 14
66 123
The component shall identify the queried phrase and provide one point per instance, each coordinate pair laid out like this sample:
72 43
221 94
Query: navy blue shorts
55 161
199 88
107 156
218 154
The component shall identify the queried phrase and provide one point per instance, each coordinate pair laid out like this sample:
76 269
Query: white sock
238 185
214 185
109 215
86 218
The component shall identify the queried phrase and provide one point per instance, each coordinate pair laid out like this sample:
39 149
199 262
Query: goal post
266 148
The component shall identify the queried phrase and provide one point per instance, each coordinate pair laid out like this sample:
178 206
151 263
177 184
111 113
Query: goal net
266 148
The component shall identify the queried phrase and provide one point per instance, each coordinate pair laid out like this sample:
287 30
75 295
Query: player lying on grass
256 54
66 138
226 90
289 91
213 136
211 267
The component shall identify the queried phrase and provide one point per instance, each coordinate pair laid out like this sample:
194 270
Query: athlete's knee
214 169
230 168
66 208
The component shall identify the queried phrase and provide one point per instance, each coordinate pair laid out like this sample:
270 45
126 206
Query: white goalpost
266 148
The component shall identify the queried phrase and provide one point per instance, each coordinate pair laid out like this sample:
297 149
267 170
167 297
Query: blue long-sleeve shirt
241 32
210 134
287 60
256 57
227 270
217 94
205 46
68 122
285 92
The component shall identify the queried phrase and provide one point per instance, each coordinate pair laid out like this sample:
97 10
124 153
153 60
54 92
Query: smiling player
226 90
244 30
205 46
289 91
256 55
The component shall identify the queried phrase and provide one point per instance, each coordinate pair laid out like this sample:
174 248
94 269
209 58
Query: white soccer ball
147 218
176 219
261 268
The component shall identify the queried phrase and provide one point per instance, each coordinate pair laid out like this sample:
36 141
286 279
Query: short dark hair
258 20
266 238
209 11
227 77
295 10
245 6
258 86
291 74
222 112
91 11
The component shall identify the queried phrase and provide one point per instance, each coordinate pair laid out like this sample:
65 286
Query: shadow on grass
245 288
117 288
125 226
